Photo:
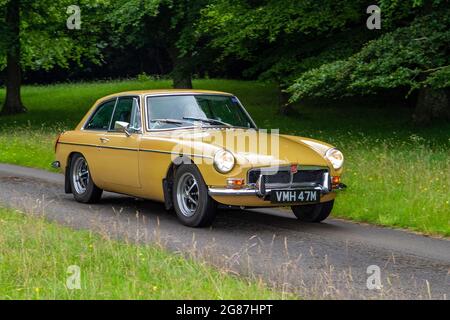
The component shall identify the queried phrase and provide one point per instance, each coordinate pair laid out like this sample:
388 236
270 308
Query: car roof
164 92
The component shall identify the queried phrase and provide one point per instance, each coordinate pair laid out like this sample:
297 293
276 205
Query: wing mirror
122 127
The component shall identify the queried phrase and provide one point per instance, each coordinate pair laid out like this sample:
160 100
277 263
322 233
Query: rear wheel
83 188
313 212
193 206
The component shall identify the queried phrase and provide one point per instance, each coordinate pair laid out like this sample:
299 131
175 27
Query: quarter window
102 117
127 110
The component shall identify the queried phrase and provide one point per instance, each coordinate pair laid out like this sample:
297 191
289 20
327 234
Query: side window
135 123
127 110
102 117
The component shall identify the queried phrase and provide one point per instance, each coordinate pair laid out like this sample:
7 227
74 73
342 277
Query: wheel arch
67 185
170 178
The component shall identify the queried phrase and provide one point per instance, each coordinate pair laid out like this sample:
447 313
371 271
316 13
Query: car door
89 140
119 149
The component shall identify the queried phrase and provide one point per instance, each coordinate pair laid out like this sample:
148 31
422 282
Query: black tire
88 192
190 214
313 212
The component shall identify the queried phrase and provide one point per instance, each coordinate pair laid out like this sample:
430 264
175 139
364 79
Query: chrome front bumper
255 192
263 191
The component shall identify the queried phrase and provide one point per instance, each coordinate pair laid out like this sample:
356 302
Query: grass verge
35 256
398 175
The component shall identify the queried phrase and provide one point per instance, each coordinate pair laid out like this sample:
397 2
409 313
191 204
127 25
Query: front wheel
313 212
193 205
83 188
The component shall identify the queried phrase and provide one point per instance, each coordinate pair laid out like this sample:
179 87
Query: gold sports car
194 150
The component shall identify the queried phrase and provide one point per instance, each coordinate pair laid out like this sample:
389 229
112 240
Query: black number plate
293 196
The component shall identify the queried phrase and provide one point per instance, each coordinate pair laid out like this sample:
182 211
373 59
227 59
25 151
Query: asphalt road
328 260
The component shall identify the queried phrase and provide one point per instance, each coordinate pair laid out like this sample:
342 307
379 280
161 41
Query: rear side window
102 117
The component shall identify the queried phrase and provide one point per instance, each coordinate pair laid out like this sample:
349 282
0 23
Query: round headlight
223 161
336 158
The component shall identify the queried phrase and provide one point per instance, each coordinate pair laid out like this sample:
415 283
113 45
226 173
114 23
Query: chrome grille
311 176
282 176
278 177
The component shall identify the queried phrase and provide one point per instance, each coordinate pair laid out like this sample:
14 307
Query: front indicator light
336 183
336 180
235 183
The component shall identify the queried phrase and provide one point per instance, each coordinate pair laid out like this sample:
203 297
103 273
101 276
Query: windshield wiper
207 120
170 121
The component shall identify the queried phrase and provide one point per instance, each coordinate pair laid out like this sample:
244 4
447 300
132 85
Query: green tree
282 39
323 48
415 56
166 25
35 36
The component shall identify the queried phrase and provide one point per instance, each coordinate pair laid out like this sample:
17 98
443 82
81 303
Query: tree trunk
431 104
182 70
285 106
13 103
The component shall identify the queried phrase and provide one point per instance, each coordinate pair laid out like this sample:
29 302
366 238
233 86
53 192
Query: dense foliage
283 38
164 26
324 50
35 36
311 49
413 56
45 40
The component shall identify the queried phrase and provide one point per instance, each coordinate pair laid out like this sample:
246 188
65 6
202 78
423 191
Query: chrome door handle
104 140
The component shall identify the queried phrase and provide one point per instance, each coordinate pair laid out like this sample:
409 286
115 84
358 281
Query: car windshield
174 111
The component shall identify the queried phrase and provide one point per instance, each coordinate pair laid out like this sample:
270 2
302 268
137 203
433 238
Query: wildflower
416 138
37 290
155 288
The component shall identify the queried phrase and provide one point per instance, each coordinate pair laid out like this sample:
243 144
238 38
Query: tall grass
398 175
397 184
35 256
